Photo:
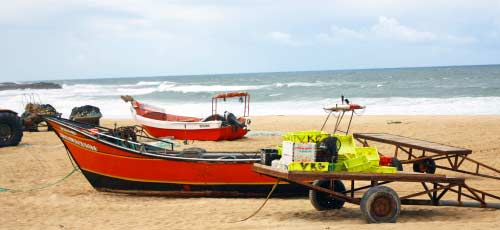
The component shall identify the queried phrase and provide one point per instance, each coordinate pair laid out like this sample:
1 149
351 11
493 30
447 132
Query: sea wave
114 107
207 88
301 84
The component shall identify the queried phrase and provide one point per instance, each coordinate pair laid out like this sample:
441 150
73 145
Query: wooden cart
426 156
381 203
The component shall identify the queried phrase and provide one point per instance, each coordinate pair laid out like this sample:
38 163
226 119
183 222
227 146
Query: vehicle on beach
120 160
157 123
11 128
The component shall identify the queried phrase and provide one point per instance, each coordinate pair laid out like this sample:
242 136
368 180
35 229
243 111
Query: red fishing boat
157 123
120 160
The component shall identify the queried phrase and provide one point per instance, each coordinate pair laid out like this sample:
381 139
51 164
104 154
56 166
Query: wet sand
41 159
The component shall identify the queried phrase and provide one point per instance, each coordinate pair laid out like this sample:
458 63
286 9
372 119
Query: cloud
284 38
390 29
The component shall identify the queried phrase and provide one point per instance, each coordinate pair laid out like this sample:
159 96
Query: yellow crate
347 144
382 169
314 136
308 166
357 164
370 153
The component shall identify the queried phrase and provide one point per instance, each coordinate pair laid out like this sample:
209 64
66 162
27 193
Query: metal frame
454 156
246 107
441 185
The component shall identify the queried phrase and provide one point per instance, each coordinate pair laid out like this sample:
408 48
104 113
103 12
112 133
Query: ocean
457 90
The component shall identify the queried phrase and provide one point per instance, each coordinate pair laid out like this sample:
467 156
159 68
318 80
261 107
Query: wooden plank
412 143
399 176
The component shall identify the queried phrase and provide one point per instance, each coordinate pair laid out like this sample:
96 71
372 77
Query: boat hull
111 167
157 125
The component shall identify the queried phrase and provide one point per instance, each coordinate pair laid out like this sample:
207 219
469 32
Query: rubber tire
322 201
373 195
395 162
14 122
430 166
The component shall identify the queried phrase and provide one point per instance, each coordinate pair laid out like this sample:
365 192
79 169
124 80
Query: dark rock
37 85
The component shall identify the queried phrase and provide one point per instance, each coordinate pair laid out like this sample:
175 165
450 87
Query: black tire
11 129
427 165
380 204
396 163
322 201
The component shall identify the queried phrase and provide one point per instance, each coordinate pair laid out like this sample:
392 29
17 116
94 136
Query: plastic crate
336 167
309 166
347 144
357 164
314 136
370 153
382 169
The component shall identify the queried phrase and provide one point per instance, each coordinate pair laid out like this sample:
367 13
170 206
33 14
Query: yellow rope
262 205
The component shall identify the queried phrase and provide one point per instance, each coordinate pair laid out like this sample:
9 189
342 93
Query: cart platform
412 143
426 156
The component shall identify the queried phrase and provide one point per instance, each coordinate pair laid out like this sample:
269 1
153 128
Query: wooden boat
118 160
157 123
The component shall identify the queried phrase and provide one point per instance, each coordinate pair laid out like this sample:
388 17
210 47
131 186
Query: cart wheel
323 201
380 204
396 163
426 165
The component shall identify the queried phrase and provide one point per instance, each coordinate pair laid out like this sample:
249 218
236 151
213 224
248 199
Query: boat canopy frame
244 96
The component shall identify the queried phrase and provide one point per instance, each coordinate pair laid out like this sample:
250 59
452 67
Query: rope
41 187
262 205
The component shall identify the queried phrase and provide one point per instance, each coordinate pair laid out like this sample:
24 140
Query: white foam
149 83
207 88
301 84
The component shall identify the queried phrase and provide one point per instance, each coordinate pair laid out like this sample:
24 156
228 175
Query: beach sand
41 159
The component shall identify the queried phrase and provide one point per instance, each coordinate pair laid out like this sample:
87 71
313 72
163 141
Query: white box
304 152
287 152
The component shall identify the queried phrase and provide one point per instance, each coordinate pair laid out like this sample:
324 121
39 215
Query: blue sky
67 39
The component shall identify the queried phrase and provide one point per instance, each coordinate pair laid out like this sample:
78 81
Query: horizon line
247 73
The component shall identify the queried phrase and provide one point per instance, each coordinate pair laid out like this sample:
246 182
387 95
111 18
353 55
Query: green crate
336 167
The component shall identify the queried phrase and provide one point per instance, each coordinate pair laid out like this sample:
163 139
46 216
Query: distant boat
157 123
115 160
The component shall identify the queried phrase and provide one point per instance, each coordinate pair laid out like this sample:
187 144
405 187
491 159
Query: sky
71 39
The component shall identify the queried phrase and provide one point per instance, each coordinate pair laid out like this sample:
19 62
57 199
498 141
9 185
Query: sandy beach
41 159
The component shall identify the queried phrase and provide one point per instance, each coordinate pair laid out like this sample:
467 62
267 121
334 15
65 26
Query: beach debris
264 133
32 115
394 122
86 114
